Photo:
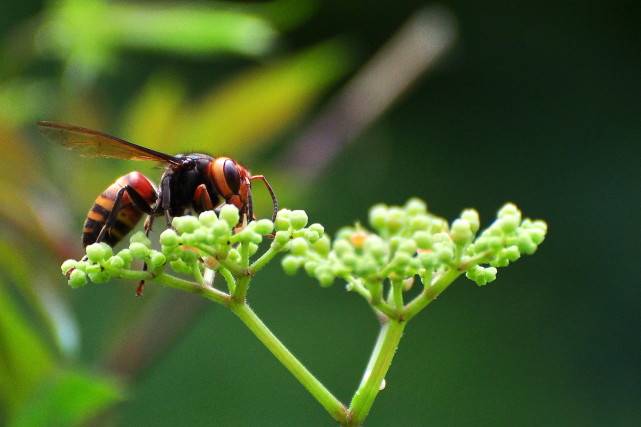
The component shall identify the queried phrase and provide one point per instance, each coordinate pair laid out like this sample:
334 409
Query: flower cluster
195 243
410 241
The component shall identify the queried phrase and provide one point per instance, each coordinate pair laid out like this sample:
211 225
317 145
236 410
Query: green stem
231 282
331 404
264 259
430 292
194 288
379 363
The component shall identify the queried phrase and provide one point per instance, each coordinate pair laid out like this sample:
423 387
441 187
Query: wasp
190 182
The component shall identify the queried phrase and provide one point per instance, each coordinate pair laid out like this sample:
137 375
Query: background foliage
535 104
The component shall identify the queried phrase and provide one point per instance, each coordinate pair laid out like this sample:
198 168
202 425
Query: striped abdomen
128 214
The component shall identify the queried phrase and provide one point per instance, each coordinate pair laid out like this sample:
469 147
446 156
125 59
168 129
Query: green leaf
67 399
24 358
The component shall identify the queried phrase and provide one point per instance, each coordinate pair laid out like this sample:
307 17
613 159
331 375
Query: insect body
196 182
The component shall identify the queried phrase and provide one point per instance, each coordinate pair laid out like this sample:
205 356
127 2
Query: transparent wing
92 143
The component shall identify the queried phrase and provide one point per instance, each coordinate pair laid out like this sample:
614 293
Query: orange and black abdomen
127 216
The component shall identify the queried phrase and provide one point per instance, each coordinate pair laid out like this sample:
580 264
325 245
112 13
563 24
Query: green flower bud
207 218
282 237
509 210
423 239
298 219
77 278
311 236
282 220
138 250
68 265
156 259
342 247
395 219
185 224
91 268
319 229
230 214
97 252
188 256
126 255
322 246
291 264
252 248
263 226
439 225
472 217
100 276
221 230
508 224
190 239
180 266
350 260
325 276
461 232
116 262
525 243
420 222
169 238
428 260
140 237
407 246
511 253
299 246
378 217
415 206
366 266
310 267
376 247
233 255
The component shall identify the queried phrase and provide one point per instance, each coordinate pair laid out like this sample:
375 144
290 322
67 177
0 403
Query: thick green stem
185 285
264 259
430 292
379 363
331 404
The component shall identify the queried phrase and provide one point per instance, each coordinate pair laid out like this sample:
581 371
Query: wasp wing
91 143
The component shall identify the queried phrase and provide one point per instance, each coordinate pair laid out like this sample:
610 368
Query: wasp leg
137 200
271 193
149 222
202 200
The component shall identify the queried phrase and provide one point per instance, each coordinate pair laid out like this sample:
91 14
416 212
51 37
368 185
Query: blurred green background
342 105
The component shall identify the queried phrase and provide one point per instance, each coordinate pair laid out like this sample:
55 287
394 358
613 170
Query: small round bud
77 278
298 219
376 247
126 256
138 250
461 232
311 236
221 230
378 217
319 229
341 247
407 246
310 267
116 262
423 239
233 255
509 210
415 206
428 260
169 238
291 264
185 224
472 217
282 220
140 237
156 259
322 246
252 248
230 214
207 218
282 237
508 224
263 226
395 219
420 222
68 265
324 276
525 244
180 266
99 277
299 246
350 260
511 253
188 256
97 252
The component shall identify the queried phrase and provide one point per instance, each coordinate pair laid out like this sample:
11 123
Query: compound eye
232 177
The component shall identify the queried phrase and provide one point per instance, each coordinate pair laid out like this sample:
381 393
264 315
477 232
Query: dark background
536 104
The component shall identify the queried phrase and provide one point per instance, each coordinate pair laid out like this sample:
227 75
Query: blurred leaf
24 100
151 119
88 33
16 153
258 104
284 14
51 310
69 399
24 359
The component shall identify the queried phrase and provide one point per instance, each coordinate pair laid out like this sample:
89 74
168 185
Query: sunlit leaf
24 358
258 104
68 399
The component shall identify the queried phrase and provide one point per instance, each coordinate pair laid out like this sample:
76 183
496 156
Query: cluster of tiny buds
409 241
193 243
